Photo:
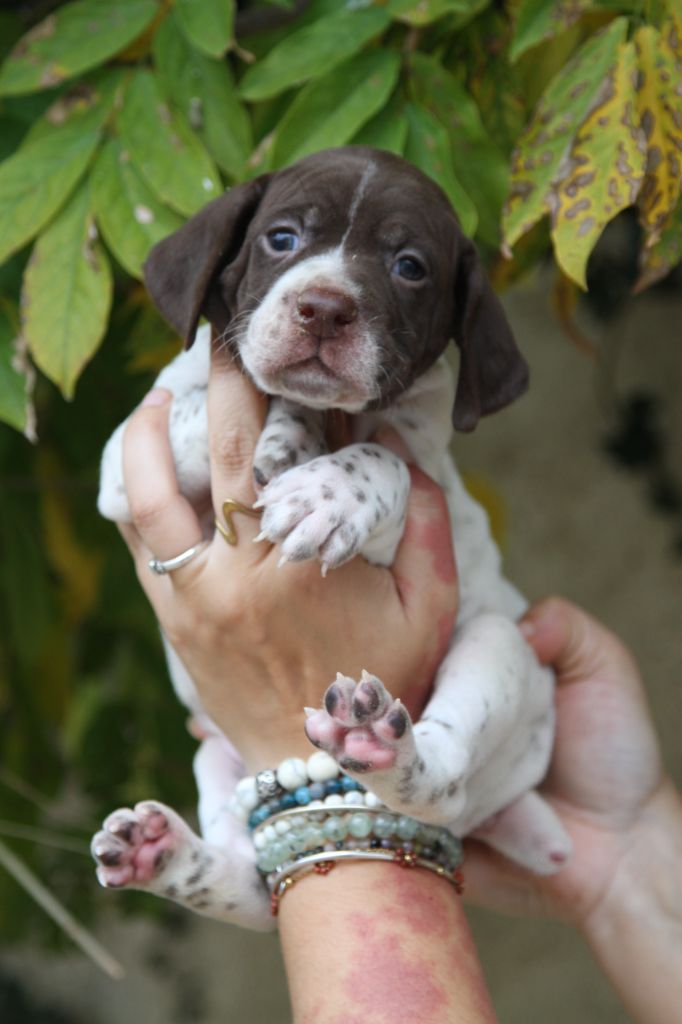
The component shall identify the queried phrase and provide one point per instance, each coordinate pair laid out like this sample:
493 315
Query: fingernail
157 396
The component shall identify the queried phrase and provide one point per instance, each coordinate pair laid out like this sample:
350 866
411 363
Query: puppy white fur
484 741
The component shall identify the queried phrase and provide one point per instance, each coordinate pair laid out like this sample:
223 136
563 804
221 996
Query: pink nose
325 313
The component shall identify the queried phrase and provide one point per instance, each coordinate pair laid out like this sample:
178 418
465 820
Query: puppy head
337 282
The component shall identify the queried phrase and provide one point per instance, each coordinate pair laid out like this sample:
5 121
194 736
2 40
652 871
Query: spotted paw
290 437
361 725
331 509
136 847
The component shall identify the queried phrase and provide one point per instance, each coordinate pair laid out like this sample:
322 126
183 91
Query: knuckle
145 510
232 450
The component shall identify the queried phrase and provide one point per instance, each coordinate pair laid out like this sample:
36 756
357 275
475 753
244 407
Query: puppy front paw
332 509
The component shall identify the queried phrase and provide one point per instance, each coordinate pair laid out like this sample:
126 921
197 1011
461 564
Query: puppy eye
409 268
283 240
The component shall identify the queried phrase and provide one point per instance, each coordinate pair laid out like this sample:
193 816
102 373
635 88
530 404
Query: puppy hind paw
135 846
529 832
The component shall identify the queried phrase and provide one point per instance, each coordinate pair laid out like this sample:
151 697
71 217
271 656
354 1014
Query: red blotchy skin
433 534
390 985
422 914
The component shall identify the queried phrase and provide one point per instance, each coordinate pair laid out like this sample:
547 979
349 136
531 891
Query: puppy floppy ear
492 371
182 268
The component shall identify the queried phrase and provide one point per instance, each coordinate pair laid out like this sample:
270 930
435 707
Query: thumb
575 644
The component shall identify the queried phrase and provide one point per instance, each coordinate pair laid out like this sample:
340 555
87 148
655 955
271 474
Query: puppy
339 283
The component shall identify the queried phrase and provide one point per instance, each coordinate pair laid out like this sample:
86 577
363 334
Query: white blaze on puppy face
284 358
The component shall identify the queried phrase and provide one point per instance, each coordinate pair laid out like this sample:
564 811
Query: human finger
163 519
236 413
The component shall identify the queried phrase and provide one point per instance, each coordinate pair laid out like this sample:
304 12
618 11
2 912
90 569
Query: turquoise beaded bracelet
290 835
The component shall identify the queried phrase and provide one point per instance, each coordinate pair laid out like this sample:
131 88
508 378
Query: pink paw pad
360 725
133 846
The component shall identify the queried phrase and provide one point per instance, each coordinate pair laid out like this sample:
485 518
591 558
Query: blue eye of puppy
409 268
283 240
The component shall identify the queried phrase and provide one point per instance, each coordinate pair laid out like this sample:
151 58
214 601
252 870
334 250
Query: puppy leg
150 847
291 436
529 832
491 711
338 506
186 377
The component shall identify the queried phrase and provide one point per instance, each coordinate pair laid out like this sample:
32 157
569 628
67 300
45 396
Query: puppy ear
492 371
181 269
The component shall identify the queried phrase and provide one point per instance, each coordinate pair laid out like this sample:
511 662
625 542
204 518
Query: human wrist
377 942
635 931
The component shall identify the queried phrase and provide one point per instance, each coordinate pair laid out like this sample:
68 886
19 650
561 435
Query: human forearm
379 944
636 931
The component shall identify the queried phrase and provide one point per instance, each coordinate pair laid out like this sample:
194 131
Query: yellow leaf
604 170
659 101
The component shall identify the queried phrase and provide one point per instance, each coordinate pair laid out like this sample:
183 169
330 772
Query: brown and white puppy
338 283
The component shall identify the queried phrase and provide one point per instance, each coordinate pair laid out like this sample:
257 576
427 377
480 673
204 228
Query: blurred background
582 477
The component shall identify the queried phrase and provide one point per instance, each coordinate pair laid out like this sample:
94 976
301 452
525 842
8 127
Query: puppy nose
324 312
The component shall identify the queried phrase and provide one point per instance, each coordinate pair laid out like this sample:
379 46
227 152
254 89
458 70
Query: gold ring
230 506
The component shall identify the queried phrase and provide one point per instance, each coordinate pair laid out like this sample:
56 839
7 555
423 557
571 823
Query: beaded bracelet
323 863
294 783
291 835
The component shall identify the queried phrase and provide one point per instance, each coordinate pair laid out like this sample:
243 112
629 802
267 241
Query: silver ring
161 568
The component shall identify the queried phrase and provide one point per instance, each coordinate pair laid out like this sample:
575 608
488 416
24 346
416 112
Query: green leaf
312 51
604 170
37 179
536 162
423 12
67 294
208 24
72 39
541 19
387 129
328 111
204 91
478 162
428 146
164 148
659 101
128 213
15 406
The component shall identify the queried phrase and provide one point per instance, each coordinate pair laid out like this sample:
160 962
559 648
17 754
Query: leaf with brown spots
537 162
72 39
604 169
37 179
659 100
165 150
659 259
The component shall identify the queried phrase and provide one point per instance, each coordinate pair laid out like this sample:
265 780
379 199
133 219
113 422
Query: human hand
606 779
260 642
